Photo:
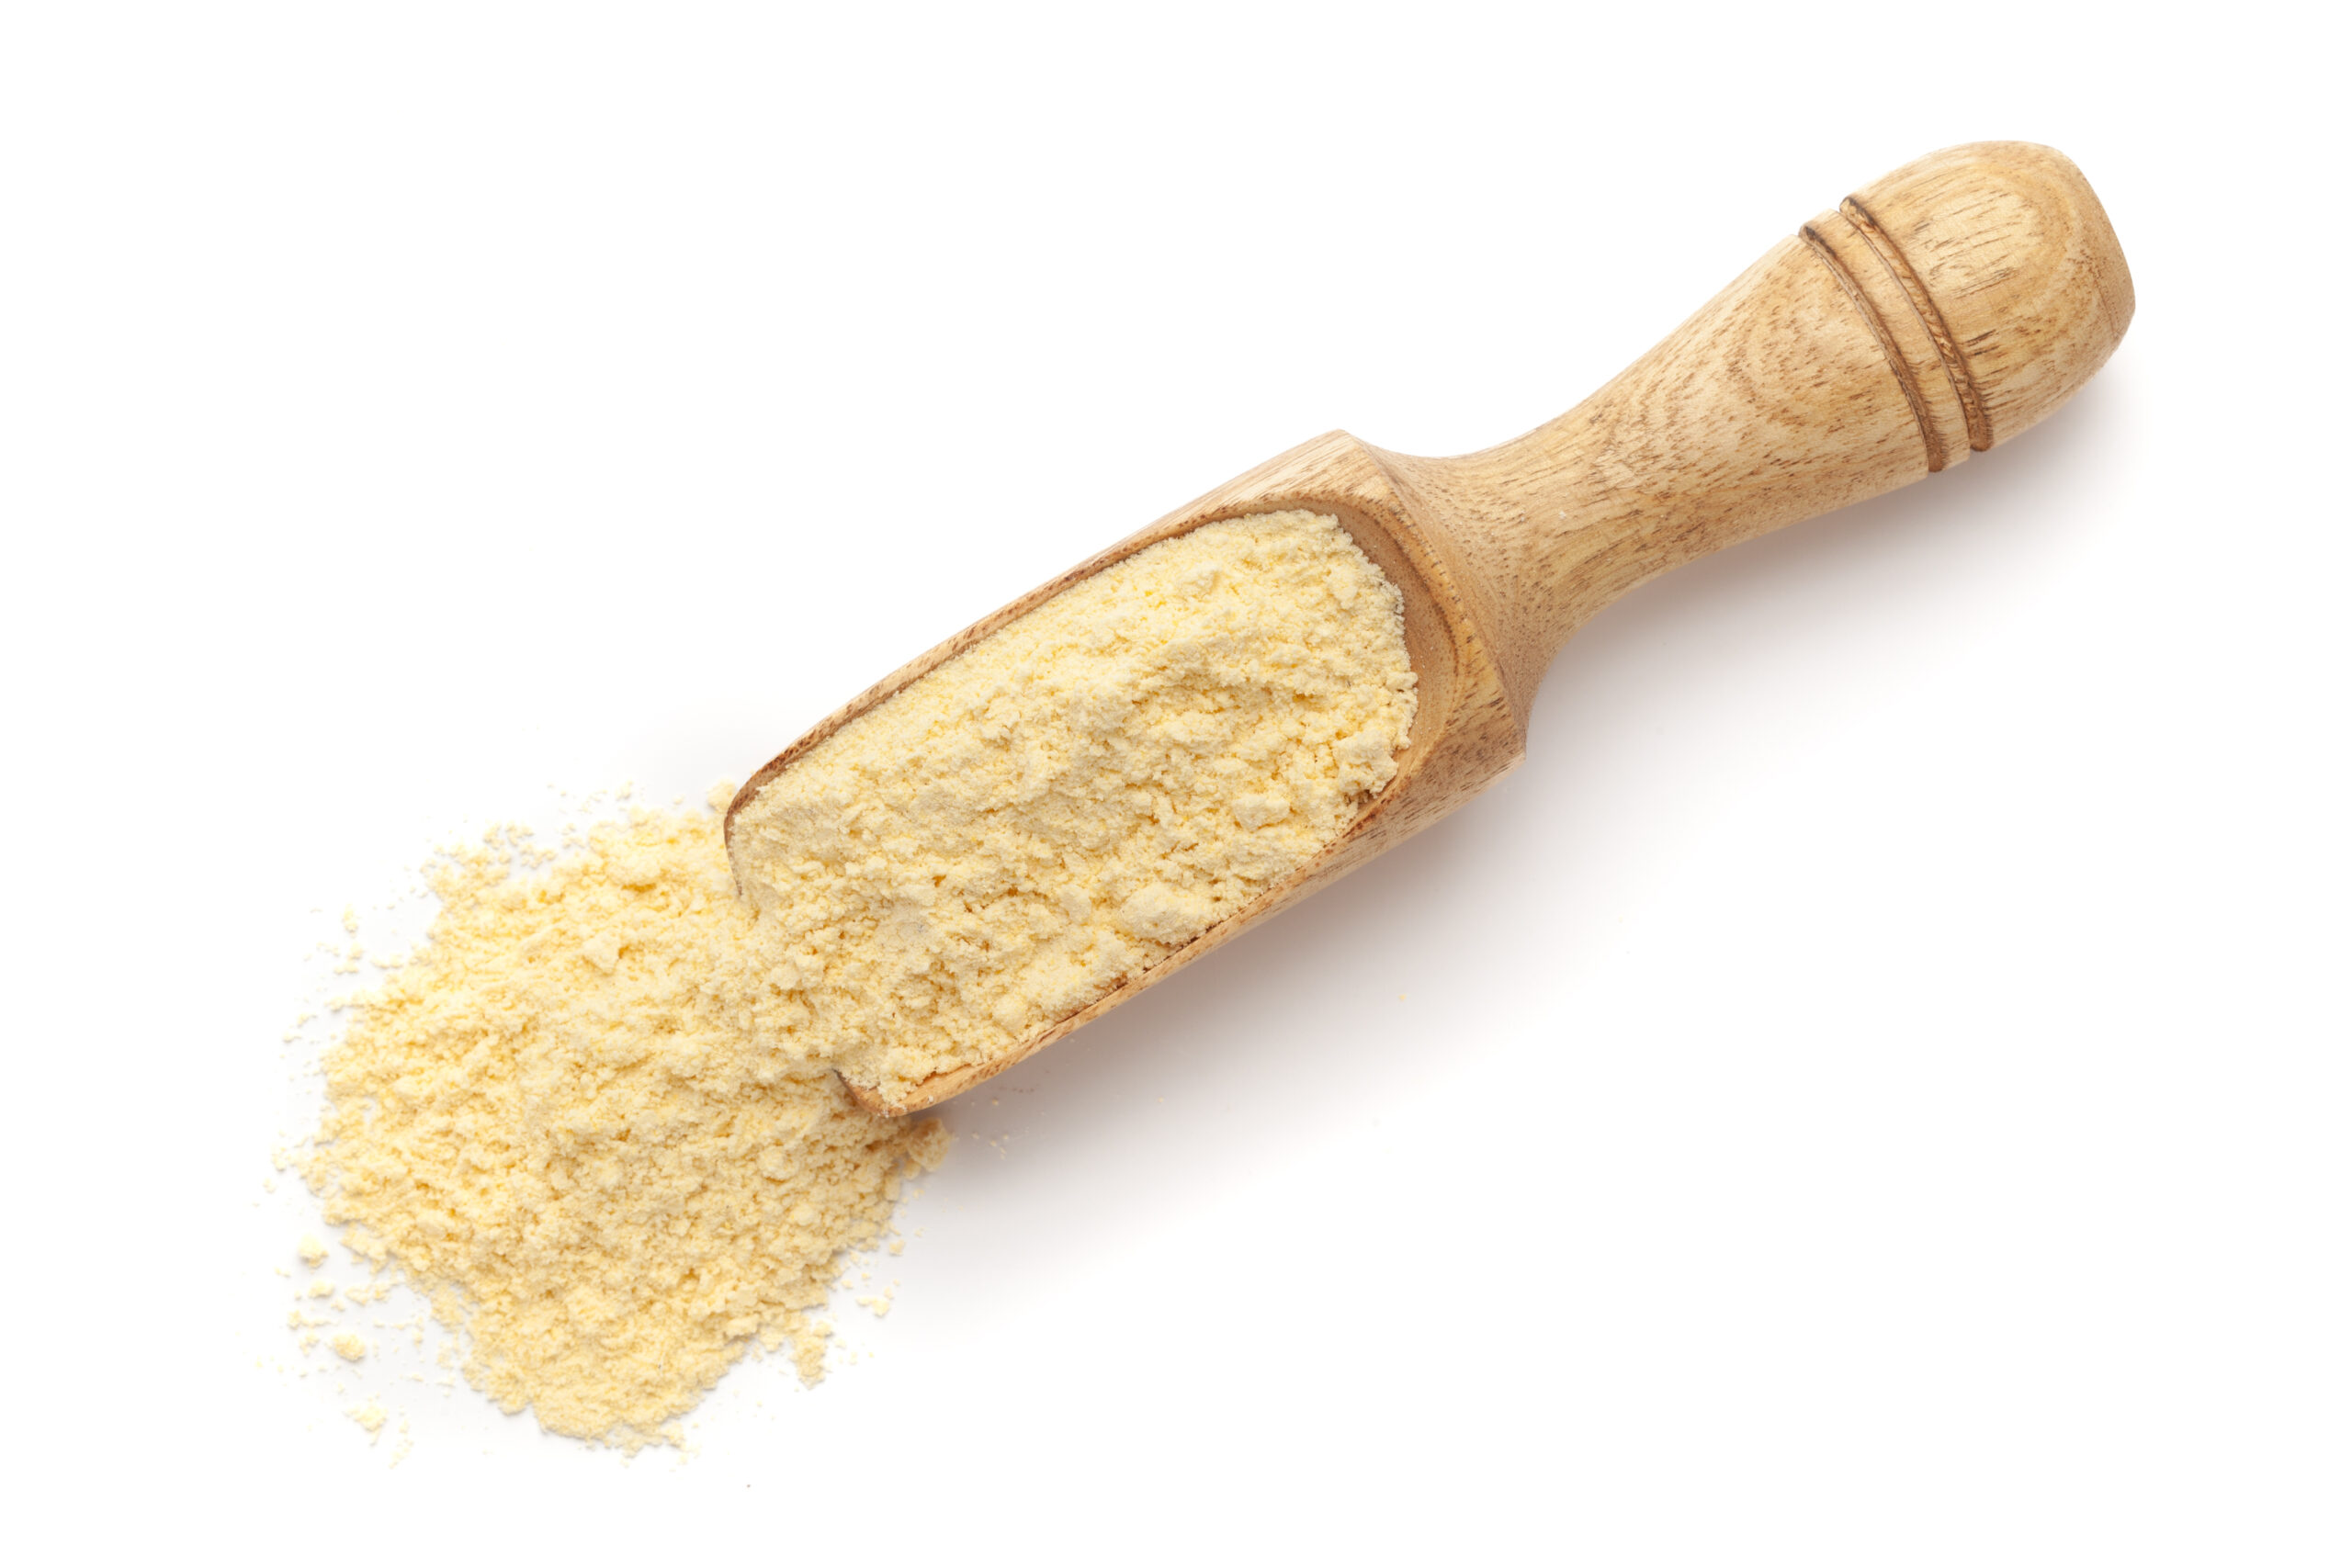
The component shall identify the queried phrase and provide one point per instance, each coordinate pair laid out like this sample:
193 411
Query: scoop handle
1936 312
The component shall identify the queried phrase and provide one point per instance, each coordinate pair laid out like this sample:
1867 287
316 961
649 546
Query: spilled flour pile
595 1117
1077 797
573 1120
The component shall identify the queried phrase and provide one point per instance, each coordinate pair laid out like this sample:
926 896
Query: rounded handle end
2008 262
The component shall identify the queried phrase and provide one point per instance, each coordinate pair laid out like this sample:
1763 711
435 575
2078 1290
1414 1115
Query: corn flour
595 1115
1077 797
571 1121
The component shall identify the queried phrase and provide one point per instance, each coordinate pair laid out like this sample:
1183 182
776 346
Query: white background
1872 1089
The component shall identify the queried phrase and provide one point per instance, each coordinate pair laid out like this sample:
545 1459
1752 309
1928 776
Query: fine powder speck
1077 797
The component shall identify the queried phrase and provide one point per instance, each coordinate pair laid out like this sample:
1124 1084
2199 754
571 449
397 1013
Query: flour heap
596 1117
1077 797
573 1119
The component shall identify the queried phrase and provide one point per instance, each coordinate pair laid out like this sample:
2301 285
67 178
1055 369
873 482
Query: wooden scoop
1940 310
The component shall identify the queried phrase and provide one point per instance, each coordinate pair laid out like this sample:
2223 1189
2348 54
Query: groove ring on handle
1895 360
1923 304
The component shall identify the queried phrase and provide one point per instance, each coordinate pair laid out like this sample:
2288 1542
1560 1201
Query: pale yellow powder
565 1120
593 1116
348 1346
1077 797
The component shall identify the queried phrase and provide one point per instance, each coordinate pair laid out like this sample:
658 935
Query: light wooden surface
1936 312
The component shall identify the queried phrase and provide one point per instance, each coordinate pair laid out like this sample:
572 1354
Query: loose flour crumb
311 1250
1077 797
348 1346
371 1418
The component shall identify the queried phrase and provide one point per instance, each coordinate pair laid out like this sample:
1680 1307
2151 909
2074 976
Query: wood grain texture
1937 311
1931 440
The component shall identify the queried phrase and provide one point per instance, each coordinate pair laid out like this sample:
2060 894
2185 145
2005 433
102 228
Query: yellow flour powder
593 1114
1074 799
570 1119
